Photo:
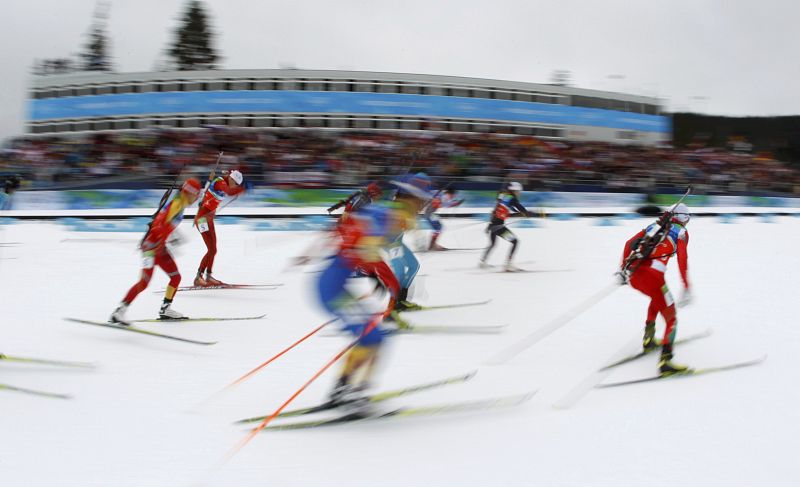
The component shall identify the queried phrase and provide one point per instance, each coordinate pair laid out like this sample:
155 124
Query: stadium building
339 100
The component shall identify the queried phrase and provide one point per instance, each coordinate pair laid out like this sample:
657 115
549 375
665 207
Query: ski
687 373
225 286
188 319
33 392
39 361
404 412
134 329
448 306
444 329
641 354
381 396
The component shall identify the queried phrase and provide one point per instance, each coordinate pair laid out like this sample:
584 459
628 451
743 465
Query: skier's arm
343 202
683 260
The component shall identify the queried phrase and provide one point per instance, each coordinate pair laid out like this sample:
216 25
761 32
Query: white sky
730 57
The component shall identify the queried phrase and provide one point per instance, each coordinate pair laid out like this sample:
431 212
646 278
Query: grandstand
90 102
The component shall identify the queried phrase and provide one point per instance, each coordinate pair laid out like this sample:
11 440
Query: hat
191 186
681 214
514 186
416 185
236 176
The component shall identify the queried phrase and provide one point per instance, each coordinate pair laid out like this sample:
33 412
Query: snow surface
146 415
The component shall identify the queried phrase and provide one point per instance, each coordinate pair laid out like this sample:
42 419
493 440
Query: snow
149 414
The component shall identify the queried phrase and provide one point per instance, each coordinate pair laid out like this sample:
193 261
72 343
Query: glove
622 277
686 298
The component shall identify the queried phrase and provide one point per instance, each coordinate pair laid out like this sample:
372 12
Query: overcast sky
730 57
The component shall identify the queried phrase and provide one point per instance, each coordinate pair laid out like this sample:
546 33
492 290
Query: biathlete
362 239
155 253
359 199
447 200
507 206
645 273
227 185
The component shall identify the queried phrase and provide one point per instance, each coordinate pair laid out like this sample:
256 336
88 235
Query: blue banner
324 102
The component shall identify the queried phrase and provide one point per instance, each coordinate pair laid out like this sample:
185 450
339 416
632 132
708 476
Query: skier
226 185
10 185
447 200
644 262
359 199
412 195
155 253
507 204
363 236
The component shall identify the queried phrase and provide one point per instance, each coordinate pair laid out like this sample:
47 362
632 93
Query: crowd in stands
304 157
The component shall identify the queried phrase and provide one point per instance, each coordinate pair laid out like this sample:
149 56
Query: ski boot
483 265
649 341
118 316
407 306
350 399
199 281
401 323
511 267
167 313
210 281
667 367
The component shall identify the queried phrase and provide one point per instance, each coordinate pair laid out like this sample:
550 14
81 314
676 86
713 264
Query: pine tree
95 55
192 49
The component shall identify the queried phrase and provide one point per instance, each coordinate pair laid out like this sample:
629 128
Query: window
96 126
523 96
409 125
502 95
459 92
387 88
287 85
362 123
191 86
104 90
364 87
337 123
387 124
123 89
265 85
338 86
411 89
434 90
481 93
121 125
214 86
263 122
315 86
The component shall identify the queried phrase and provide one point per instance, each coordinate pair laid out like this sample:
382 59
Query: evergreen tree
95 55
192 49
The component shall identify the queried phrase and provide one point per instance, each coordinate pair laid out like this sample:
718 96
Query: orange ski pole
275 357
278 411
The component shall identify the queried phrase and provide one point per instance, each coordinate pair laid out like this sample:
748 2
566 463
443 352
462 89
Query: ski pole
283 406
207 185
249 374
163 201
522 345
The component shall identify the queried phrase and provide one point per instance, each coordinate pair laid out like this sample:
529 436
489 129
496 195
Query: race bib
202 225
148 260
395 252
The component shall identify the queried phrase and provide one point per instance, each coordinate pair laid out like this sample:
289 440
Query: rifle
651 239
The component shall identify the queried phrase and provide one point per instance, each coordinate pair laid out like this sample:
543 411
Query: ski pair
404 412
373 398
688 373
39 361
703 334
134 329
33 392
226 286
